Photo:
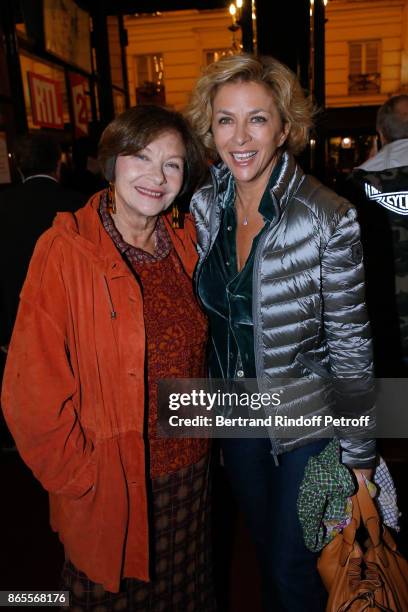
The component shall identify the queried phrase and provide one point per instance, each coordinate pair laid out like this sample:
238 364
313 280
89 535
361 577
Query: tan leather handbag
374 579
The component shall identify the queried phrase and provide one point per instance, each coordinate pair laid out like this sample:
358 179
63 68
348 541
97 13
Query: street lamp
243 16
235 12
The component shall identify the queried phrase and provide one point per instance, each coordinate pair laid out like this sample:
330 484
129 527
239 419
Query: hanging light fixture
235 12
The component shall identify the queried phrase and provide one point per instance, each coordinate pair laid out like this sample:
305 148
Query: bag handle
371 519
349 533
370 603
367 506
368 510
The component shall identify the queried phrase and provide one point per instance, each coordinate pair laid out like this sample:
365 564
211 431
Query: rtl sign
46 101
79 85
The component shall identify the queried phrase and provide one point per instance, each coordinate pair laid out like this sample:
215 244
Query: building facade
366 61
366 51
366 58
167 51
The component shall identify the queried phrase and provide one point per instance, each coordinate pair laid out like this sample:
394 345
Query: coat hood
85 231
392 155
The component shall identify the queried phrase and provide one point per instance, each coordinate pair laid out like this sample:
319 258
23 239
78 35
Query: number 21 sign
79 85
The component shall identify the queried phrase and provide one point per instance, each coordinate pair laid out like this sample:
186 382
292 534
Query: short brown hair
137 127
392 118
294 107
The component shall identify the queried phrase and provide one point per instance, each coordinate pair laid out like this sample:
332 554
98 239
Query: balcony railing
369 82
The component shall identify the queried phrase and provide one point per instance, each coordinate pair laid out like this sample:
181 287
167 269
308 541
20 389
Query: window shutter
356 58
372 53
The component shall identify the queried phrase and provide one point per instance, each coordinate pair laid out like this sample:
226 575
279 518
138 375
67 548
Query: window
116 40
150 79
364 66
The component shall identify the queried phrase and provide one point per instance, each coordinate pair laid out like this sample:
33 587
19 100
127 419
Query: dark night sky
151 6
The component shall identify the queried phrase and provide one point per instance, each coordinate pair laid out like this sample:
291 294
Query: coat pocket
82 482
314 367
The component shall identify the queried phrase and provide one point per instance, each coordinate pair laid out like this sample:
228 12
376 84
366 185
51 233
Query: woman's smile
149 193
243 158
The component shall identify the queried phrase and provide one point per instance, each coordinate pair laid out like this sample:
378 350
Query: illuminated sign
46 101
79 86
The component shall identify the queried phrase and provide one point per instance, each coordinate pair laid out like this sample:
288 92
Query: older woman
281 277
106 311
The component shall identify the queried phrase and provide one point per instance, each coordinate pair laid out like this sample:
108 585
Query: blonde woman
280 274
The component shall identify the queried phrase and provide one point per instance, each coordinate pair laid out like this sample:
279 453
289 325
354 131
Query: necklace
245 220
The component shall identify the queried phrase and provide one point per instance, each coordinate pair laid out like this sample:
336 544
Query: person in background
106 312
85 172
280 274
26 211
379 189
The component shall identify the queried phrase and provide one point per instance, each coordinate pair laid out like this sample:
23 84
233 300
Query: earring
175 216
111 203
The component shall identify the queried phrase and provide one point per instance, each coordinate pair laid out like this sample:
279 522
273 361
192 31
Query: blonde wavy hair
294 107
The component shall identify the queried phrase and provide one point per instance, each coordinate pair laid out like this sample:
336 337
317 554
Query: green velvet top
227 294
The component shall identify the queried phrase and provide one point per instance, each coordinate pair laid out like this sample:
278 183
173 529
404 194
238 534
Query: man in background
379 189
26 211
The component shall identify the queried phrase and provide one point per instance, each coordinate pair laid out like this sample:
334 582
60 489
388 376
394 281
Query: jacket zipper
256 292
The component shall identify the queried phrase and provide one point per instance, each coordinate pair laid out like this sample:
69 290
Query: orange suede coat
73 393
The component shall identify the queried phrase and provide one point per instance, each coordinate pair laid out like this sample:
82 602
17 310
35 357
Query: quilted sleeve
347 332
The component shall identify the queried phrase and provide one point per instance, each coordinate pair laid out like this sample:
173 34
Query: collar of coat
85 231
392 155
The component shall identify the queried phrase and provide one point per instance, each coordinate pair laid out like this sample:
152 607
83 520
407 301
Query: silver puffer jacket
309 315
